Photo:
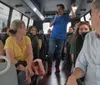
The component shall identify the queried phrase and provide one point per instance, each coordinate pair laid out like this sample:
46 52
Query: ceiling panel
84 7
23 9
50 5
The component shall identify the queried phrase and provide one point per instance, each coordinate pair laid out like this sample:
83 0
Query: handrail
8 65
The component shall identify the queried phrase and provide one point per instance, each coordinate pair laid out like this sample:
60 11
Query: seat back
8 76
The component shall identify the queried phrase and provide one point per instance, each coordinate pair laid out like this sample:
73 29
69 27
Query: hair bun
12 31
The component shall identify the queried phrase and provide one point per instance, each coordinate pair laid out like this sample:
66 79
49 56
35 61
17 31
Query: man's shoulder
91 35
66 15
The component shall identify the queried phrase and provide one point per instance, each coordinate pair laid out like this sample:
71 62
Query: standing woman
19 50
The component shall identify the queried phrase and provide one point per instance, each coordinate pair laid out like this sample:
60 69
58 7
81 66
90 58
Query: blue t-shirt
59 27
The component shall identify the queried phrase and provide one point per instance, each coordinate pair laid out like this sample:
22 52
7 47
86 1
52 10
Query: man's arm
74 8
81 64
52 23
77 74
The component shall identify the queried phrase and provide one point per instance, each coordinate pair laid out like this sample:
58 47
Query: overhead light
34 9
32 6
42 18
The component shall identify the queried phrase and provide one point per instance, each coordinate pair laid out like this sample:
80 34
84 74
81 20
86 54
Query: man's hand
74 8
56 15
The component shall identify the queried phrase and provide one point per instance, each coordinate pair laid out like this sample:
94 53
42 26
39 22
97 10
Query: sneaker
49 70
57 70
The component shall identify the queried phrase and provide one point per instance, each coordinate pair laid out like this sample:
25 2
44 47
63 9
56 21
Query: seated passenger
69 36
77 39
4 34
34 39
88 61
1 51
1 48
36 45
19 50
42 42
67 59
47 40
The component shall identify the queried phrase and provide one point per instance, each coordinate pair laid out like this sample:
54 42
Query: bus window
4 14
46 27
15 15
25 19
87 17
82 19
31 22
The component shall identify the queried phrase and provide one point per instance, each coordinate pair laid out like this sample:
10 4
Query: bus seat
3 37
8 77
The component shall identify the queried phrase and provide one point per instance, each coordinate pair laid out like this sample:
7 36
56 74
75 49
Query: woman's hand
21 68
28 79
29 71
29 74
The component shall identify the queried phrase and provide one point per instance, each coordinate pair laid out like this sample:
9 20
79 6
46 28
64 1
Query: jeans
21 78
55 44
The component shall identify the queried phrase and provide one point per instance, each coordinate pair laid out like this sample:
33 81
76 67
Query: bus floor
54 79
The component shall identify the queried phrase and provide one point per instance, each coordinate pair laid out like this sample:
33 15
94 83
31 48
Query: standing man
58 36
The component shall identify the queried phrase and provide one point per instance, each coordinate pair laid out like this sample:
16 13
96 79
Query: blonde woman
19 50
